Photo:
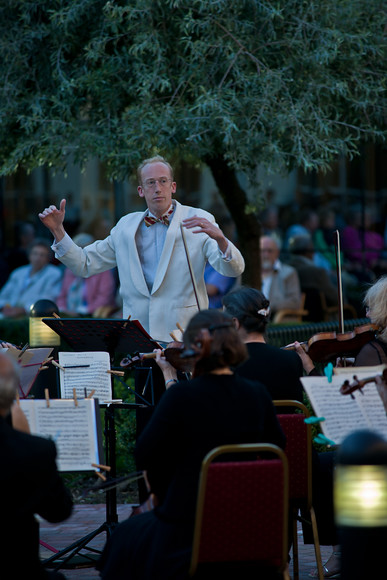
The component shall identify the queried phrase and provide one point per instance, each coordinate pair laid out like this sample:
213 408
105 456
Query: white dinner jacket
172 299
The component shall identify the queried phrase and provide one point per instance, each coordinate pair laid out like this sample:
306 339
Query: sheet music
92 377
344 414
74 429
29 363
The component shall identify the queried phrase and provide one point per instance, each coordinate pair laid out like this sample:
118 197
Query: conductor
148 250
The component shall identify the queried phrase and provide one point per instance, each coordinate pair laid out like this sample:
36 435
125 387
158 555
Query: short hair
376 300
9 381
301 244
155 159
226 346
246 305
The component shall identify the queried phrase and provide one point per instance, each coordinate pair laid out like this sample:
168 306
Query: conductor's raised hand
204 226
53 219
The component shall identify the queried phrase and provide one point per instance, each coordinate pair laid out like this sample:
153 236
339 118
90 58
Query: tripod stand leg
73 550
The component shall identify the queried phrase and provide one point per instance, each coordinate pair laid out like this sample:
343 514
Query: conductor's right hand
53 218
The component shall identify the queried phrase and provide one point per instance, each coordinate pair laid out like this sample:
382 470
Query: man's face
39 257
269 253
157 187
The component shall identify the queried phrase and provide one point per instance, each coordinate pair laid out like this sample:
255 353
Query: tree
283 83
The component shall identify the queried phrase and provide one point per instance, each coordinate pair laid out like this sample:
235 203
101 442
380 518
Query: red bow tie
164 219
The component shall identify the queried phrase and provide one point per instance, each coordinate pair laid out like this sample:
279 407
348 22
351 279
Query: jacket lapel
135 267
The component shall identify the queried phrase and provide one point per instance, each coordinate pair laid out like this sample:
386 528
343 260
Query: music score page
343 413
89 371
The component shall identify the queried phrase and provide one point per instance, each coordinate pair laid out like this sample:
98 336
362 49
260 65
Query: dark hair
244 304
43 242
226 347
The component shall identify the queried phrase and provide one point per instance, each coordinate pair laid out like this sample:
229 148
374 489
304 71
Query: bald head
9 381
269 253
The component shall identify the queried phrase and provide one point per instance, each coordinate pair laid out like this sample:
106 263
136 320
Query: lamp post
41 334
360 497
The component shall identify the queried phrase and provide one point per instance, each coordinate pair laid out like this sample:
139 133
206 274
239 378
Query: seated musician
214 408
29 484
280 371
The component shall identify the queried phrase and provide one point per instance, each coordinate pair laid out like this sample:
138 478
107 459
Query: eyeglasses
151 183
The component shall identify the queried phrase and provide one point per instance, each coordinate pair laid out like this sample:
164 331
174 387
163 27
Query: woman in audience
216 407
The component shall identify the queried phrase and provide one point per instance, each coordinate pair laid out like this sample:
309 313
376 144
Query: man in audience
27 284
280 283
314 280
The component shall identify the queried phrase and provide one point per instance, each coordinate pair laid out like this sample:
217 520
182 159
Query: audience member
280 283
363 248
79 296
193 417
308 224
29 484
270 223
24 235
324 239
313 279
27 284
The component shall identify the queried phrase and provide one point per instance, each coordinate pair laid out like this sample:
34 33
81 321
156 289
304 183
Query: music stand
93 334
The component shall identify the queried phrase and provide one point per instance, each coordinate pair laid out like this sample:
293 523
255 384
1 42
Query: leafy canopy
284 83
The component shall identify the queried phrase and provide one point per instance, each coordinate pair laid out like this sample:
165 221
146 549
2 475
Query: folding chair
242 508
299 454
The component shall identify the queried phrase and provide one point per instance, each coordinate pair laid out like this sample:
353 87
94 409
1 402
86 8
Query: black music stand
93 334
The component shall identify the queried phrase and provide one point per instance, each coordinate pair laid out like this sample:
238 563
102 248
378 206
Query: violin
174 353
348 388
325 346
183 359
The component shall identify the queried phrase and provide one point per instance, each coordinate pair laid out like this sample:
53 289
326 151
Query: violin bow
339 283
195 288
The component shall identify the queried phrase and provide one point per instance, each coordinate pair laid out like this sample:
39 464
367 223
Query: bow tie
164 219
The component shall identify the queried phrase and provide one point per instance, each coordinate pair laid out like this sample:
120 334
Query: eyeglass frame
159 180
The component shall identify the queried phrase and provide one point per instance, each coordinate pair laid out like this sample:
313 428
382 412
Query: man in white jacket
147 248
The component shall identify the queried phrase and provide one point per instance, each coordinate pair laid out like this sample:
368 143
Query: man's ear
236 323
140 191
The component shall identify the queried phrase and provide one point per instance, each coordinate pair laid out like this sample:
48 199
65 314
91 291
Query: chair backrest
291 314
241 513
298 449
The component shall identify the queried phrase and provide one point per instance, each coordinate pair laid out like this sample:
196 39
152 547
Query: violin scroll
348 388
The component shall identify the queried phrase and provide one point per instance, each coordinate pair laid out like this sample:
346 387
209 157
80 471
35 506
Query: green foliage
286 83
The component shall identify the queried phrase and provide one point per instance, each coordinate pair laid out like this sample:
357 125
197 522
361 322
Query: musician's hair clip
264 311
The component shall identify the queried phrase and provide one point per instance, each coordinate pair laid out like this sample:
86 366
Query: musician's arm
169 372
382 390
307 362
